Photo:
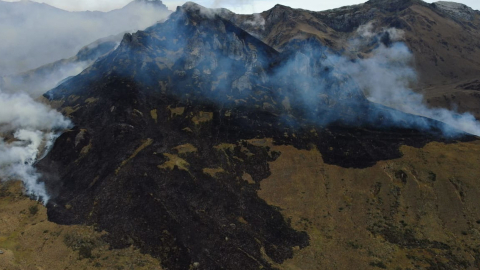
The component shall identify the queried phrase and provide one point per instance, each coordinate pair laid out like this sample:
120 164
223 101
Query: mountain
37 81
443 37
207 148
47 34
222 141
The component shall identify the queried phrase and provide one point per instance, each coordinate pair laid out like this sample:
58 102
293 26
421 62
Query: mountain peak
197 8
192 6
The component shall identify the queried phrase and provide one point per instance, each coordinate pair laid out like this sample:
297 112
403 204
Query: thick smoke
331 87
28 130
37 34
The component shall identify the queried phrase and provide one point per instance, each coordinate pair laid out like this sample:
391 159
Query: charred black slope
162 156
148 172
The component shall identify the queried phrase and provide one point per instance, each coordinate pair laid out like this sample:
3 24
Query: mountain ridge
175 131
222 141
443 47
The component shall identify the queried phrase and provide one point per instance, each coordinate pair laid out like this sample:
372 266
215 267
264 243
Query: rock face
178 127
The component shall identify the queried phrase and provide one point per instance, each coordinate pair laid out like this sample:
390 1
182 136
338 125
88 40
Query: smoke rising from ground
37 34
27 131
386 76
323 86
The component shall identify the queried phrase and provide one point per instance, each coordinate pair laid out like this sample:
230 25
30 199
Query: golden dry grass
434 191
30 242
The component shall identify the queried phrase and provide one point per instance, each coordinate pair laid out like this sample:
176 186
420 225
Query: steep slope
443 37
162 177
47 34
176 130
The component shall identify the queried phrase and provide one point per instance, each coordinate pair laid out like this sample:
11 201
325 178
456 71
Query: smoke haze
37 34
320 81
314 79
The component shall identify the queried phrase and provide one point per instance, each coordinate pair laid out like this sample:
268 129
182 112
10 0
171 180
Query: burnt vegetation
161 147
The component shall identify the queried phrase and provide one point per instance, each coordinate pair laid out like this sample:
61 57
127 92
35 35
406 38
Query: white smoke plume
27 131
386 77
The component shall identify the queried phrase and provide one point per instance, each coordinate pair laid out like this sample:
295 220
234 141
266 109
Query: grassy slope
392 215
30 241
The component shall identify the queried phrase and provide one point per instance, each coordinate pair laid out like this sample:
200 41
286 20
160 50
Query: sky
238 6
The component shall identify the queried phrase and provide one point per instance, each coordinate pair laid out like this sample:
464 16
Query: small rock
196 264
1 252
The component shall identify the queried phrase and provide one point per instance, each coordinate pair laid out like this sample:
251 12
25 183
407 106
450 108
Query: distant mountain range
39 34
37 81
